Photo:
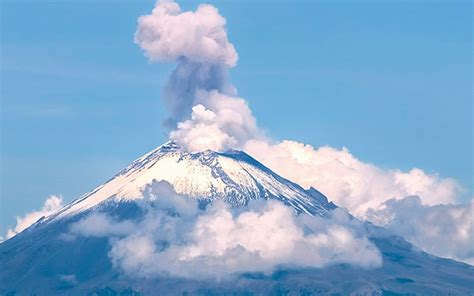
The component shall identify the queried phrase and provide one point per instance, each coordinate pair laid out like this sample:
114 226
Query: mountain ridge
233 176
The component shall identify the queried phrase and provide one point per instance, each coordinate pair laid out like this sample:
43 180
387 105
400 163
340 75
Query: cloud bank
348 181
175 238
50 206
443 230
382 196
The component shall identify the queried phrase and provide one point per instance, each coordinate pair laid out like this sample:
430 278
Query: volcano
234 177
41 260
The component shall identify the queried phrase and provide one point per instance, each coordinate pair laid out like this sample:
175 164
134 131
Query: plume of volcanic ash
205 111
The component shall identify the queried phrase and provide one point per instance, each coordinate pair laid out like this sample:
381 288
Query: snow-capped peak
233 176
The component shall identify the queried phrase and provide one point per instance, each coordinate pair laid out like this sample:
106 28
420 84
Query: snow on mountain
232 176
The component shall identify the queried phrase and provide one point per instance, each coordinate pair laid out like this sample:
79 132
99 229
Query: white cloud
263 238
202 132
177 240
443 230
227 123
168 34
348 181
99 225
50 206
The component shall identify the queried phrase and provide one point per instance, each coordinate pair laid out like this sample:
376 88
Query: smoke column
205 112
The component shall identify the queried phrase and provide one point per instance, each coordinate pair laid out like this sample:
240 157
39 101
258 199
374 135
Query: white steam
176 238
199 87
168 34
228 123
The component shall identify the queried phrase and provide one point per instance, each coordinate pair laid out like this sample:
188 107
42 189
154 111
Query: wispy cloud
50 206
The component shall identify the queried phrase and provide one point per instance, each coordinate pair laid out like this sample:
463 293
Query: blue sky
391 81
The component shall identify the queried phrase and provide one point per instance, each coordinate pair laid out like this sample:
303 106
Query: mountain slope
45 260
234 177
